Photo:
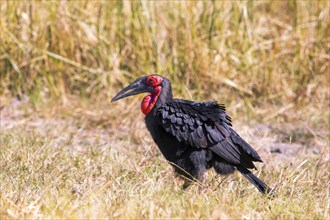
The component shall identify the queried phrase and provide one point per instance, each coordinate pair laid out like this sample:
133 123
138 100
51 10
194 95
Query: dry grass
273 51
68 163
65 153
270 56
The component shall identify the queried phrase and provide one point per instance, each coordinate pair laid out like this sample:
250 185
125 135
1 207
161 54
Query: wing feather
206 125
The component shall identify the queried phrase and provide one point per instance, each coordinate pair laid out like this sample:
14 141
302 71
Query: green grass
69 153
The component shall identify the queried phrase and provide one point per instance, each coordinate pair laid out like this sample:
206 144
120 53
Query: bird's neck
158 97
149 101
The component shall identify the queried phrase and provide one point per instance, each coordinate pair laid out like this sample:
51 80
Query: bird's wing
206 125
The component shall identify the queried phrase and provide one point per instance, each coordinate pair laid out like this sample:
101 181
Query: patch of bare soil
75 129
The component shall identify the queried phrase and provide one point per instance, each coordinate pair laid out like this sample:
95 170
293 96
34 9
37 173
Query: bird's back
199 125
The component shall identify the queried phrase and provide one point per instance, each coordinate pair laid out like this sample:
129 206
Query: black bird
193 136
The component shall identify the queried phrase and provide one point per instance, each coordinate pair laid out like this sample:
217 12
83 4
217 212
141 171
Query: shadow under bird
193 136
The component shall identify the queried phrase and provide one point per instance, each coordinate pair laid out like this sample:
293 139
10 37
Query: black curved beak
137 87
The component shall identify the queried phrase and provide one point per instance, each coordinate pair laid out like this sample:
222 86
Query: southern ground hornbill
193 136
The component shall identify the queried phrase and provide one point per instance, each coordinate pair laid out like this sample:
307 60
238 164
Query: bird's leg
188 181
200 179
201 182
186 184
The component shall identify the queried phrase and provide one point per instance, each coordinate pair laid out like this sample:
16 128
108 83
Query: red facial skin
149 101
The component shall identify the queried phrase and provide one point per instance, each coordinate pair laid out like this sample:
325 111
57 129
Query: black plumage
196 136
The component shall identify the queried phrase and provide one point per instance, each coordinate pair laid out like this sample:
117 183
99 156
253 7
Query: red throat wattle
149 101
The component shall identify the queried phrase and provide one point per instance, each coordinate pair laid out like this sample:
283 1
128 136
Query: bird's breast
167 143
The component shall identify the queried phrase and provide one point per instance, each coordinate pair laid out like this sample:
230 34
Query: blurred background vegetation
67 152
270 56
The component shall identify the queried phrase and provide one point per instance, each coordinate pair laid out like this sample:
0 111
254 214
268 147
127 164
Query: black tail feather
261 186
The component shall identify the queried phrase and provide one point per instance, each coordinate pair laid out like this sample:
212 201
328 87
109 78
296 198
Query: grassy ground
66 152
69 163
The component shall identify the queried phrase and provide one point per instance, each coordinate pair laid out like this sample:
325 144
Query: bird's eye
154 80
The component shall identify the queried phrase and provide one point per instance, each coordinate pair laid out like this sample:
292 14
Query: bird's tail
261 186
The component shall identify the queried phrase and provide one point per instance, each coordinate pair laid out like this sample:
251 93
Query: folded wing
206 125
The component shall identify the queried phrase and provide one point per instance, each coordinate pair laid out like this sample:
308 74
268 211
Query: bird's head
152 84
